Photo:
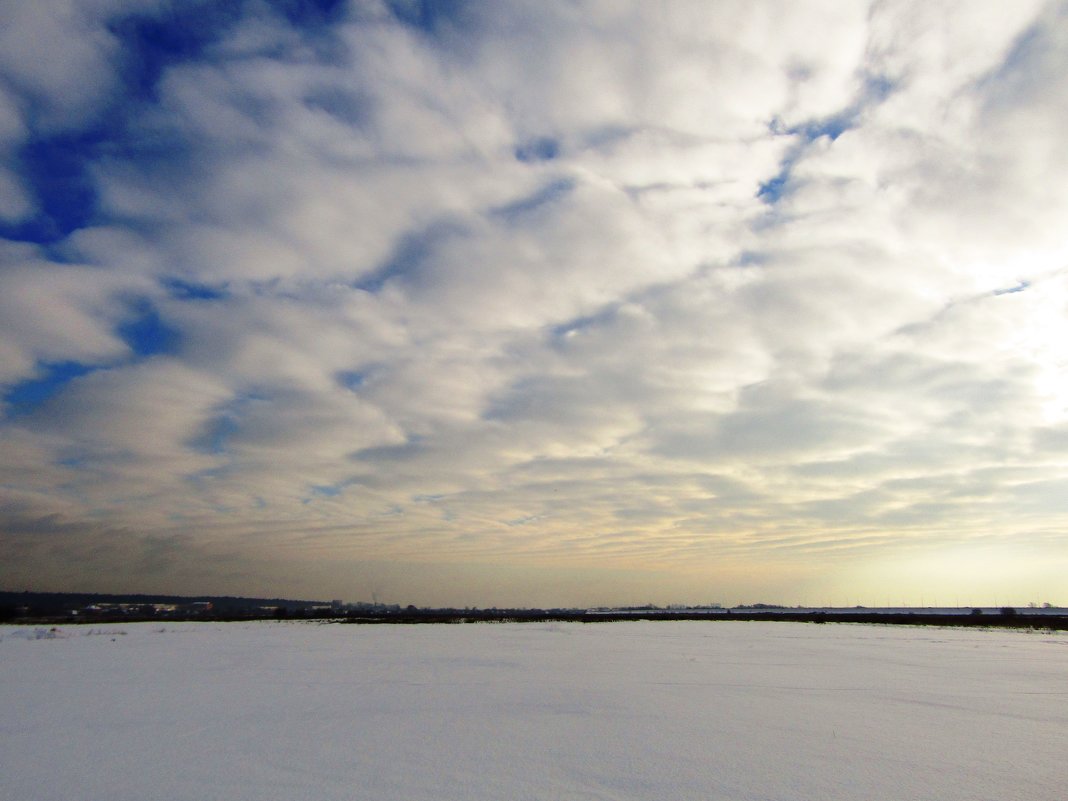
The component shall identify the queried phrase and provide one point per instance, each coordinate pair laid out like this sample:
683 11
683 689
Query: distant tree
977 611
1008 611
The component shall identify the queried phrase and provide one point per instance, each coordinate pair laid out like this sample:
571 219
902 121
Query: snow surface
647 710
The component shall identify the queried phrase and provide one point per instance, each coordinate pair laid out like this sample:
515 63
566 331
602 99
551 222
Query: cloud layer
535 303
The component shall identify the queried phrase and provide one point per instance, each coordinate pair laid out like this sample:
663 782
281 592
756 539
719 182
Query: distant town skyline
535 304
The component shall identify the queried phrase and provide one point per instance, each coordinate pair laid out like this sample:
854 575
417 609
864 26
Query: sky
535 303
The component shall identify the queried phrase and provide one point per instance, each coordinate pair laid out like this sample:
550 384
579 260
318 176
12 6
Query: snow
648 710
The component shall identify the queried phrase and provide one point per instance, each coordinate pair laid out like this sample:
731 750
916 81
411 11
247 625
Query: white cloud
59 54
55 313
15 204
12 128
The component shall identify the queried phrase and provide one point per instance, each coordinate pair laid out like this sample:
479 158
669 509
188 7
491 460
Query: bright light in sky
535 303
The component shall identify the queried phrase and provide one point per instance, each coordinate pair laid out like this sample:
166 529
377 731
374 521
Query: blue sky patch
560 333
190 290
832 127
543 148
876 89
409 255
181 33
26 396
312 13
217 432
750 258
217 435
352 379
771 191
344 106
146 334
55 170
1012 290
426 16
392 453
550 193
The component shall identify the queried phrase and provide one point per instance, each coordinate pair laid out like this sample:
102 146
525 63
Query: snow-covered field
662 710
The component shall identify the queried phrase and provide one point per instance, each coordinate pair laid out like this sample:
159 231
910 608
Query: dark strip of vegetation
68 608
1001 620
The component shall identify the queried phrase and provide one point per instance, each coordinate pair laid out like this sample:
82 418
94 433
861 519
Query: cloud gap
353 379
560 333
180 33
541 148
876 89
180 289
146 333
347 107
1020 287
27 396
410 255
56 172
428 17
225 424
548 194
